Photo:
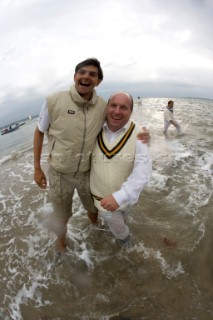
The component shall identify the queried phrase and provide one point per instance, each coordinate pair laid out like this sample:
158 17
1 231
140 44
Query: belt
96 197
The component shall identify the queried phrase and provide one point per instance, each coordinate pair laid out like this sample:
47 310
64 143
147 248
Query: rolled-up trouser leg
166 126
178 128
115 221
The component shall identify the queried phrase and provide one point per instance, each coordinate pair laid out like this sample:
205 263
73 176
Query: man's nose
117 109
86 75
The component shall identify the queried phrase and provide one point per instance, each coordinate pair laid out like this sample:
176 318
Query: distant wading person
169 118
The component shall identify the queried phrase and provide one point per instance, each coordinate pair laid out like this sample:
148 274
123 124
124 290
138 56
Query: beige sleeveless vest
74 126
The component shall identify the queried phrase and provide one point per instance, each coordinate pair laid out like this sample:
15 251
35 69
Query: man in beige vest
121 166
72 120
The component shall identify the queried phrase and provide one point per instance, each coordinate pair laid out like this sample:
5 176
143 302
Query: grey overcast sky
151 48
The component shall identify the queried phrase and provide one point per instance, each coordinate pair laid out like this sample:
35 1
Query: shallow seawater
166 272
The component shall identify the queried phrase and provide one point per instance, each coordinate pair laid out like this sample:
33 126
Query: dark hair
91 62
170 101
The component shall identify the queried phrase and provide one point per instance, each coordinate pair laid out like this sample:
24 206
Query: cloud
137 41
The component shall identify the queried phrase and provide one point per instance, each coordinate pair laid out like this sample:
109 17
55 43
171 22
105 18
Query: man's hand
144 135
109 203
40 178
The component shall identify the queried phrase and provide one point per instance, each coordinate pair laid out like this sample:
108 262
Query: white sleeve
43 119
130 190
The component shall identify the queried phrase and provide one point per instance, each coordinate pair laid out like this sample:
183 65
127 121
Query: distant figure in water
169 118
139 102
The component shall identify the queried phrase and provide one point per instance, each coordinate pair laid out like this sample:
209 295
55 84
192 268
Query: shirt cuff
121 197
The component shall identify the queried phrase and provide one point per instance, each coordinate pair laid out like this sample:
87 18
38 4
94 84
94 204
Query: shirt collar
79 100
123 128
171 110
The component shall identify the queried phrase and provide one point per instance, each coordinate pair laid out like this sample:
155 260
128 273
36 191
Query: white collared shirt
43 118
130 190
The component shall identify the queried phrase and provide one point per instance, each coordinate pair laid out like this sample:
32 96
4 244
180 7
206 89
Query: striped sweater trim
111 153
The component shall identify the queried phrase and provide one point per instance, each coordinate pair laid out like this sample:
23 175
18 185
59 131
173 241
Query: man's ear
98 82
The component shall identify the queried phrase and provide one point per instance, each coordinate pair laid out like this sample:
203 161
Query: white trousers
116 222
168 123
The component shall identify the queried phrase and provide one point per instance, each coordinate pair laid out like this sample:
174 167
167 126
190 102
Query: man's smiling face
86 79
119 109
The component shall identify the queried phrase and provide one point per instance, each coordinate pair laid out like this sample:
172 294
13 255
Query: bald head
119 109
120 94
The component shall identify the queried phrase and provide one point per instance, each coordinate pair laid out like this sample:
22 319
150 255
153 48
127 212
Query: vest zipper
82 148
